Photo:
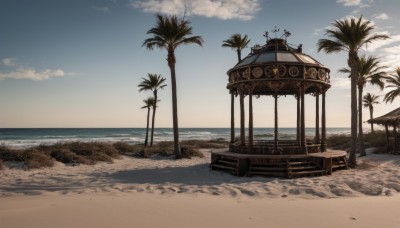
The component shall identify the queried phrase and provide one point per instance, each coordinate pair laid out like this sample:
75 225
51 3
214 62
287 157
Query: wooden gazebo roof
392 118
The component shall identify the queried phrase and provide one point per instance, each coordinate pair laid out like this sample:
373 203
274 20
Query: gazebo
391 119
279 70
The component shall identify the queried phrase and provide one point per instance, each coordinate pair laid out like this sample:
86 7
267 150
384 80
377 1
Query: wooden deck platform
289 166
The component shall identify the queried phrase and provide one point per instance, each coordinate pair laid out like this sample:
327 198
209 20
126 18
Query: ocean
28 137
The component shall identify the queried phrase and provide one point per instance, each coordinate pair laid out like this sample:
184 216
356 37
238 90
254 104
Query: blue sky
77 63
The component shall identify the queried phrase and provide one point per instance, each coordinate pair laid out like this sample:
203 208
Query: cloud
377 44
19 71
8 61
358 4
104 9
391 57
349 2
340 82
382 16
32 74
222 9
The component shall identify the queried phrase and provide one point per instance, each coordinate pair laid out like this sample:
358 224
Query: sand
162 192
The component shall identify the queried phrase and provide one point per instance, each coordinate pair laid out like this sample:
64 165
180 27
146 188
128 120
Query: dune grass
89 153
375 139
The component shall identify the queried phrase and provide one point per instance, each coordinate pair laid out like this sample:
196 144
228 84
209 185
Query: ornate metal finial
275 30
266 35
286 34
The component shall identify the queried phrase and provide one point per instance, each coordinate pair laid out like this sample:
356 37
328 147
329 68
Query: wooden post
303 129
317 138
395 147
250 120
276 121
242 134
298 125
232 117
387 138
323 140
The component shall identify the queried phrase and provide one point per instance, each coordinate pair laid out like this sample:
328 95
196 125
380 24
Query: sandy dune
162 192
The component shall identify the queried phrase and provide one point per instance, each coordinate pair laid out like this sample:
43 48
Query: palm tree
394 82
170 33
238 43
369 71
368 102
149 103
350 35
154 82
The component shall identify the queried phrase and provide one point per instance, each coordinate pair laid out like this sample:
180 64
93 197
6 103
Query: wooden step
223 167
270 164
338 166
227 162
269 174
300 163
229 158
268 169
303 168
309 173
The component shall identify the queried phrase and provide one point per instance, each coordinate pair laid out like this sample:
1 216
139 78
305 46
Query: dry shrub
68 157
125 148
7 154
339 142
33 158
157 150
215 143
380 150
94 151
189 152
343 142
166 144
375 139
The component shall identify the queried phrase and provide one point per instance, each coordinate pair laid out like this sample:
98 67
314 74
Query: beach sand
162 192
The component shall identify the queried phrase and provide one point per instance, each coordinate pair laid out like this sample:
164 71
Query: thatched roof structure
392 118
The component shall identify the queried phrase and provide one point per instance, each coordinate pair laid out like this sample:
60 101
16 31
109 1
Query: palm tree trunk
147 127
153 118
171 63
353 58
371 114
360 129
239 55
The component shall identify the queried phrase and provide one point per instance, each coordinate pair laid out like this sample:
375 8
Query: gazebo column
323 140
242 117
317 137
276 122
387 138
303 129
298 125
232 117
395 149
250 120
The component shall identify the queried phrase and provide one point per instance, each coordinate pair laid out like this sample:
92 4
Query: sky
77 63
